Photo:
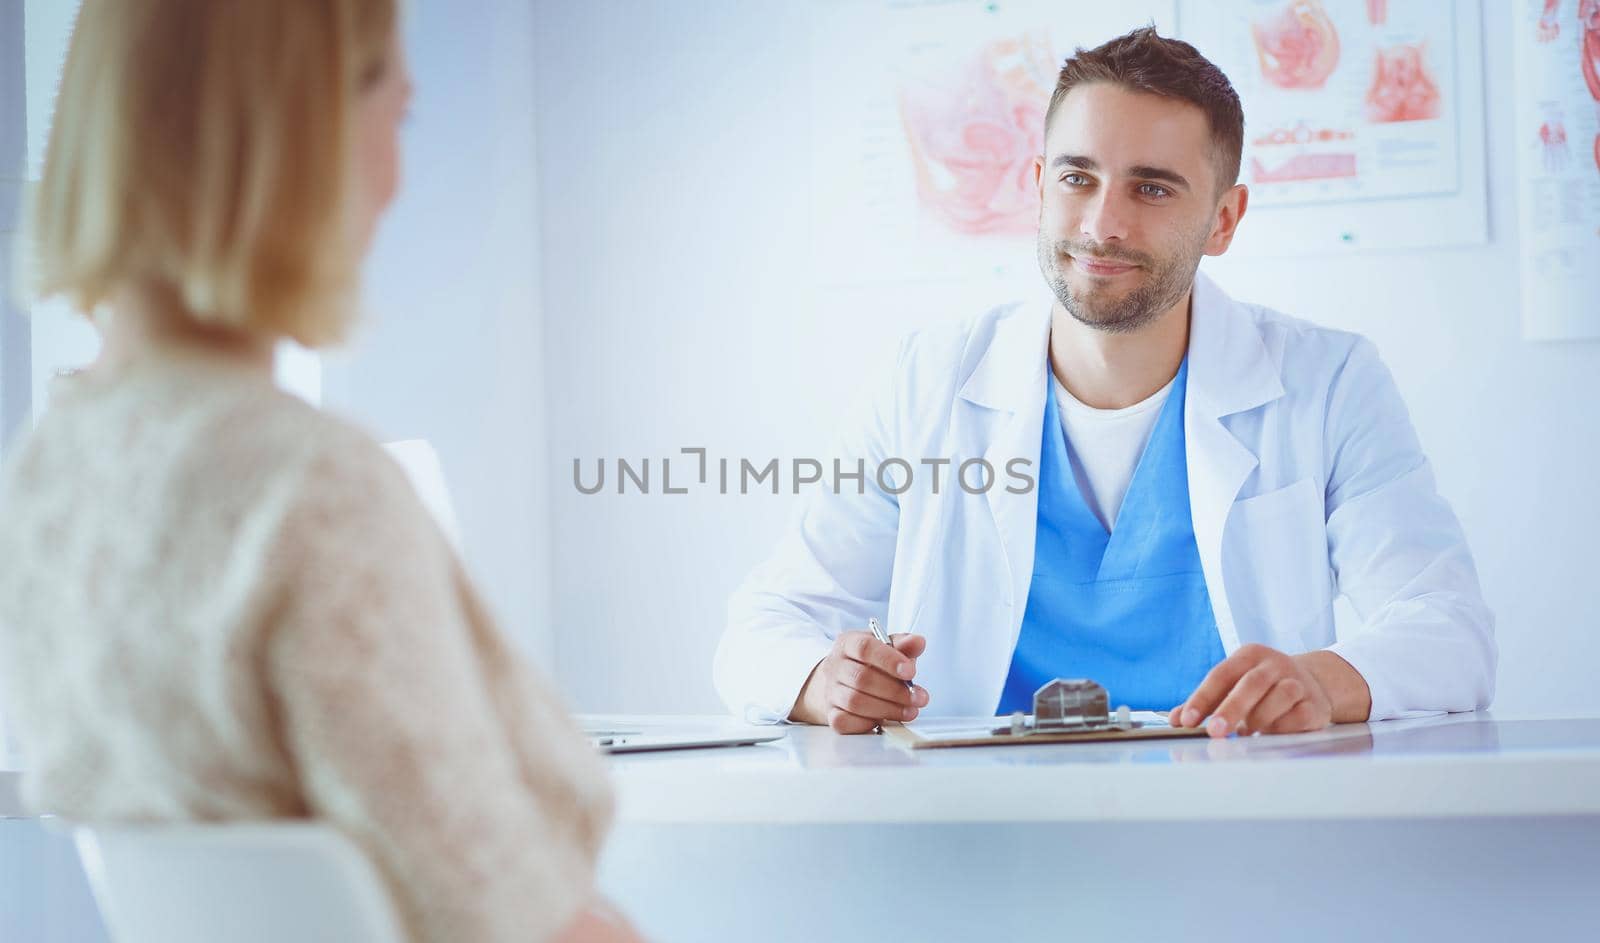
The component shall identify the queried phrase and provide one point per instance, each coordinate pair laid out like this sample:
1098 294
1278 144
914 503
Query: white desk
1467 827
1461 827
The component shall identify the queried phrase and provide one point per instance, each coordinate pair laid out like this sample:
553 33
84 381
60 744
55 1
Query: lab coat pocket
1275 565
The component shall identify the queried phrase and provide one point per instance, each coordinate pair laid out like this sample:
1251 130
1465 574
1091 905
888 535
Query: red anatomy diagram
1402 89
973 135
1589 47
1589 16
1553 135
1297 47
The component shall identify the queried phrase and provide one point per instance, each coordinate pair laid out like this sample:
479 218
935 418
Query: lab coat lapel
1230 371
1005 393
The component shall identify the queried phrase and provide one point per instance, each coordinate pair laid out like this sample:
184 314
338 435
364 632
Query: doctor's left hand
1258 690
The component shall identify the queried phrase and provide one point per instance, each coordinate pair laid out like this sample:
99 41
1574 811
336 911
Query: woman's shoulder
345 485
238 446
326 491
331 462
279 439
227 458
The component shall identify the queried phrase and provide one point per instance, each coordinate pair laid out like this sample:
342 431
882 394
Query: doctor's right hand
863 682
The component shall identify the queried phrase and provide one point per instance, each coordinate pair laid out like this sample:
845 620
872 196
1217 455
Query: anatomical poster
1363 119
926 117
1558 160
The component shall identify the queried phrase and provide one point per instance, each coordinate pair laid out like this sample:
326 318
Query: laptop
638 735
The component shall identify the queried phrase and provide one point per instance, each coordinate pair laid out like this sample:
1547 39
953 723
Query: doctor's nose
1105 217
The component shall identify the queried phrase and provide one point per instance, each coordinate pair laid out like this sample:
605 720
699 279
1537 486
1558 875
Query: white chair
420 461
246 883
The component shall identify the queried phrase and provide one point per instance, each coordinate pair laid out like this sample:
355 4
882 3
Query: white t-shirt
1104 446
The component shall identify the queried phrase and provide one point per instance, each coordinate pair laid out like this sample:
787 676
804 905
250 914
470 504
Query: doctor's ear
1230 209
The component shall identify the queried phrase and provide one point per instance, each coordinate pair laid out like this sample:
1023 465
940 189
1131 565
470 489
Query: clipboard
972 734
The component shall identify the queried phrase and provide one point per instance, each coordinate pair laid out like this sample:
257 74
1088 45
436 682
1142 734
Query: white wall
13 327
450 350
681 311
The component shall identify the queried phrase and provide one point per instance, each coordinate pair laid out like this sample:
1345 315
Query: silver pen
882 636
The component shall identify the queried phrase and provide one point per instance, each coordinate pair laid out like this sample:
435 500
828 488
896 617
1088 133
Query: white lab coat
1306 481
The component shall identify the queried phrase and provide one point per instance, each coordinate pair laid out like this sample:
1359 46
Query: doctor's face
1128 203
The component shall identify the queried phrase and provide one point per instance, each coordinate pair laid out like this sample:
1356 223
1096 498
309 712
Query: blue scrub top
1129 608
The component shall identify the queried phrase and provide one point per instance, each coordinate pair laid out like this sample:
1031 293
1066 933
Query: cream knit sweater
217 603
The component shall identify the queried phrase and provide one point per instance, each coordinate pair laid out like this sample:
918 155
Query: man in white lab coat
1145 482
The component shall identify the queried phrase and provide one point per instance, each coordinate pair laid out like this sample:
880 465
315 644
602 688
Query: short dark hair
1143 61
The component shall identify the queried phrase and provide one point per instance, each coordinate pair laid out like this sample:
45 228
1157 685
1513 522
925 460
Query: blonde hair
202 147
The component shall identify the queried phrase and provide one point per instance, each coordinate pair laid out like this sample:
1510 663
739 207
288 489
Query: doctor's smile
1099 267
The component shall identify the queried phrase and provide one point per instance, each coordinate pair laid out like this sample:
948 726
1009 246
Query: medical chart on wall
1558 161
1363 119
926 117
